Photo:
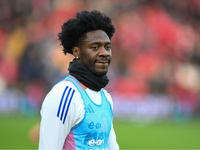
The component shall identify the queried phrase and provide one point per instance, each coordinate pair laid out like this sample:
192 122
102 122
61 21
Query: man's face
95 52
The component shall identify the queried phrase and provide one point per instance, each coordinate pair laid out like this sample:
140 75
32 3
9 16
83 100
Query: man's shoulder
61 86
108 96
61 89
106 93
61 92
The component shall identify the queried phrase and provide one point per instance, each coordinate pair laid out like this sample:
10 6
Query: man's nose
104 51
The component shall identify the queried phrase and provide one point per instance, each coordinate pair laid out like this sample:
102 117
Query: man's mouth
103 61
102 64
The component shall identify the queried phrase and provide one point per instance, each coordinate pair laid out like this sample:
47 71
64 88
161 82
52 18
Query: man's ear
76 52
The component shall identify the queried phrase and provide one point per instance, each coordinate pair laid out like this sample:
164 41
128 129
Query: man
77 112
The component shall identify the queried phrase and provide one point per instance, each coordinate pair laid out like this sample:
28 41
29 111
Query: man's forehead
96 36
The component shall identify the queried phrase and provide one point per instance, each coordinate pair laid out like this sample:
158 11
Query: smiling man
95 52
77 112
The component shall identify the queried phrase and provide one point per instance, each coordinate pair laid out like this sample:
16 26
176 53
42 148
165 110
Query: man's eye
95 47
108 47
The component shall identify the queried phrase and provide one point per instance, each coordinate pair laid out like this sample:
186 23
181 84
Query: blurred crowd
156 49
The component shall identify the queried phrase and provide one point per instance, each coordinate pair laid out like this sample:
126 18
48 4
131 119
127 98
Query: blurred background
154 74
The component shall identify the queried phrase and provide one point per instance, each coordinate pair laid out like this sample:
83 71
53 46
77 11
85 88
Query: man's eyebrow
99 43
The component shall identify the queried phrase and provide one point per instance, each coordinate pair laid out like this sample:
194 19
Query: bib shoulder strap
76 83
104 98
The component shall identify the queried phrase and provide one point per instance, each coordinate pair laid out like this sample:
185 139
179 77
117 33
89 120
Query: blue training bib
93 131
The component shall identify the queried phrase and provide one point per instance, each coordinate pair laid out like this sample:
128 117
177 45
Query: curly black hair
75 29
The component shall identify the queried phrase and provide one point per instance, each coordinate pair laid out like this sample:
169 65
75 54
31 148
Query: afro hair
75 29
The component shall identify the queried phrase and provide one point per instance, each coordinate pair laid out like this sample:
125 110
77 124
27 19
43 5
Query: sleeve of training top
60 112
112 141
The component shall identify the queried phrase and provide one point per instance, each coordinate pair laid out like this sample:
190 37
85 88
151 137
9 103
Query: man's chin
100 72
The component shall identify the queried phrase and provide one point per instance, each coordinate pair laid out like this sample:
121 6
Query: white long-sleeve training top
52 131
